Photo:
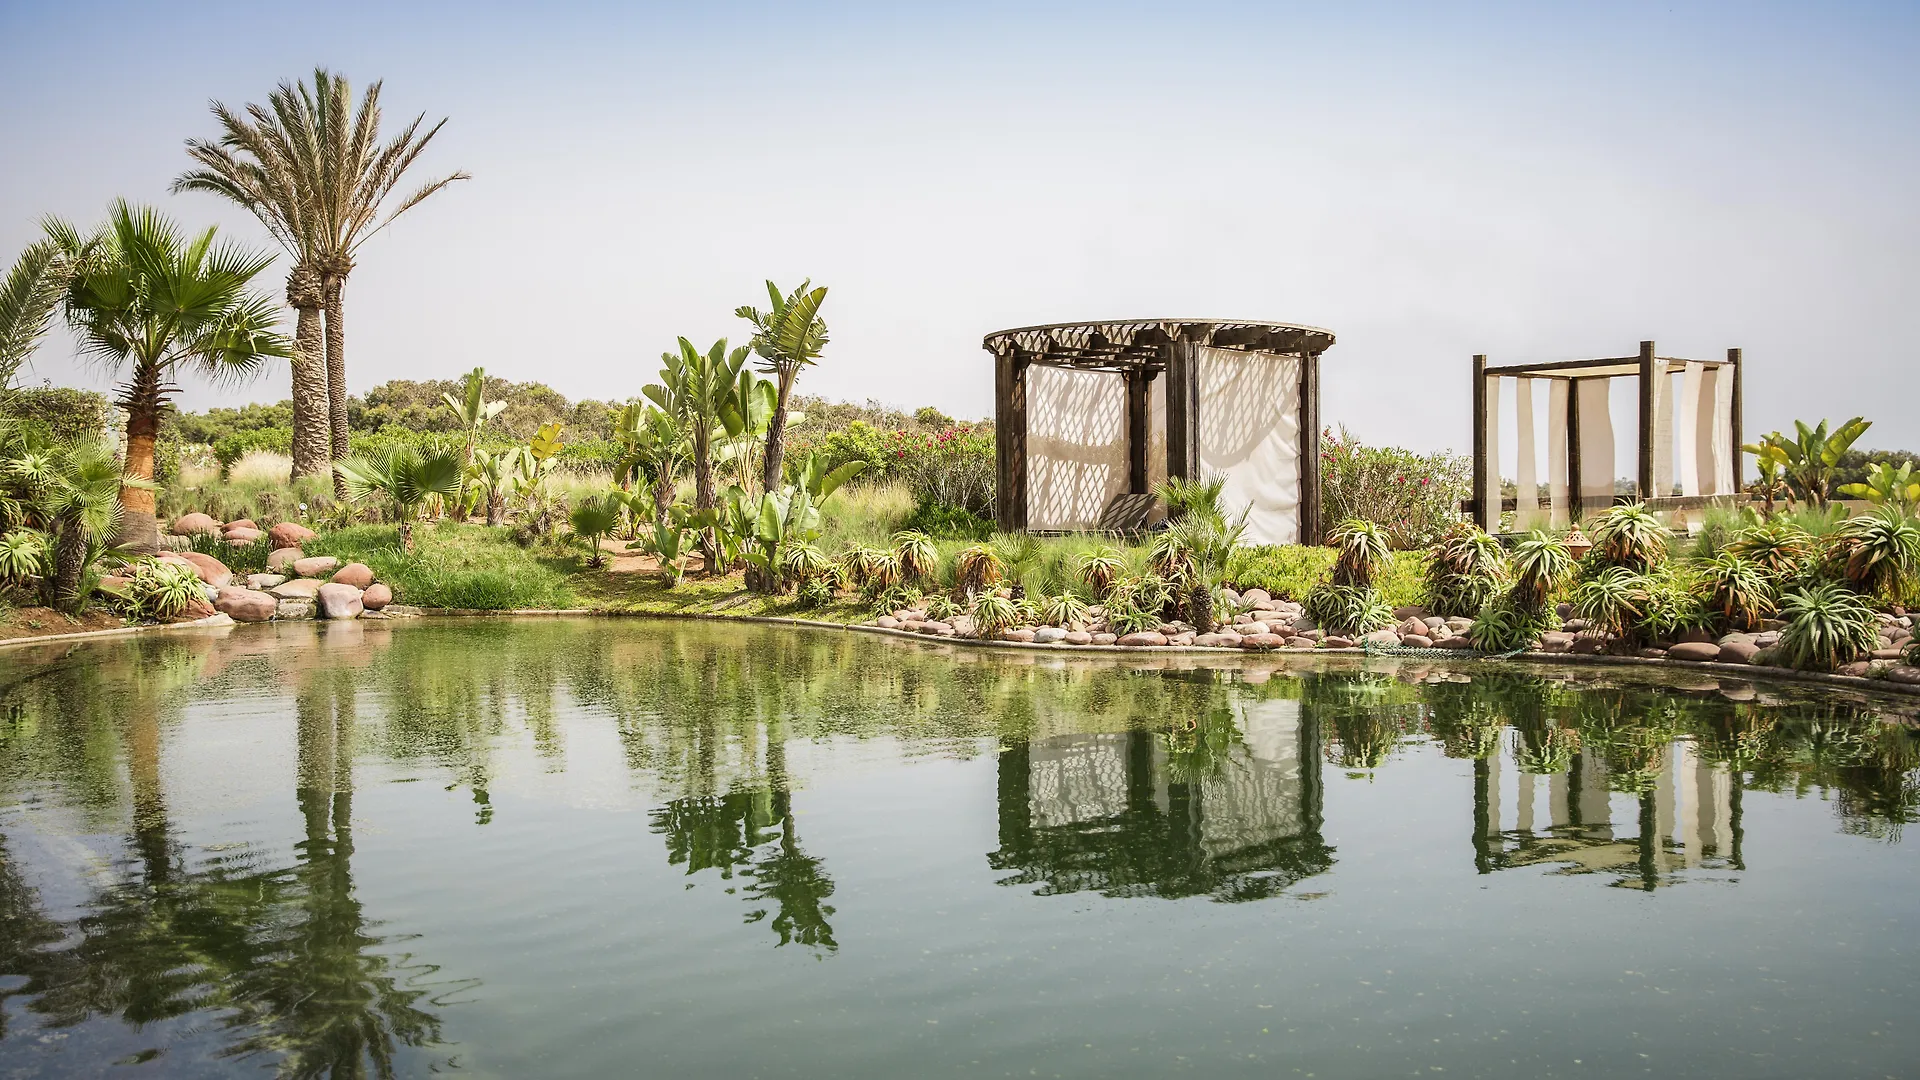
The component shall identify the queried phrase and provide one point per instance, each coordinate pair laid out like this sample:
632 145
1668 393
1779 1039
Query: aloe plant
1063 610
160 590
994 612
917 555
1541 564
1629 536
1779 549
1827 625
23 557
1612 601
1464 571
1098 568
1736 590
978 567
1362 547
1878 554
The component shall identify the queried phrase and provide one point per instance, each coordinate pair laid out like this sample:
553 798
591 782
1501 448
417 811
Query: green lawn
457 566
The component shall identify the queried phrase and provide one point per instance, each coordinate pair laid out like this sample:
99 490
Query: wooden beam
1310 531
1183 411
1650 369
1138 436
1573 452
1484 492
1010 441
1739 425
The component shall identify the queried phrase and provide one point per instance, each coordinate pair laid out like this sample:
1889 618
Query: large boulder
316 566
290 534
197 608
263 582
242 523
1697 651
1047 635
195 524
246 605
1143 638
376 596
211 570
359 575
297 589
1261 642
1738 652
339 601
294 609
281 560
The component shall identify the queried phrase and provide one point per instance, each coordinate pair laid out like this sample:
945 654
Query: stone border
1744 671
218 618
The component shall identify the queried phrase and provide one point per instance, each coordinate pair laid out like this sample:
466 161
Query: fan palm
145 299
405 478
80 490
28 296
595 518
788 336
313 169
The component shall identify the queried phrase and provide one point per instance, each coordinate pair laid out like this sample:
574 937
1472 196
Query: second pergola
1579 435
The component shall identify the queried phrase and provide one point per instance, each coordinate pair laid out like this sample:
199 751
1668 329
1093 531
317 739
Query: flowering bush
951 467
1415 498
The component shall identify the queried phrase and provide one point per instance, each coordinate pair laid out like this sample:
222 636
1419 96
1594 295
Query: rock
1768 656
1904 674
1078 637
1410 611
195 524
1417 641
1184 637
1382 637
1652 654
282 559
1303 625
1728 639
1767 639
1686 636
1256 598
1556 641
1859 669
241 523
1261 642
1738 652
1576 626
1886 654
1242 620
1312 635
1563 609
289 534
1217 641
1143 639
243 536
246 605
1017 635
358 575
1411 626
297 589
1255 627
375 615
1104 639
1457 641
211 570
294 609
1048 635
1459 625
340 601
884 622
263 582
197 608
1335 641
113 584
315 566
1588 645
1266 615
1696 651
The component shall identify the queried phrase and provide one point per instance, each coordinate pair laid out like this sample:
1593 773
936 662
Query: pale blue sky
1527 181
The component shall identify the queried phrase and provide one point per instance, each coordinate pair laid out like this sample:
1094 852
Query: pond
587 848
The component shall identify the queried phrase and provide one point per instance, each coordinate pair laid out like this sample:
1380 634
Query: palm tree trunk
662 495
138 528
496 507
337 375
703 500
69 554
310 437
772 462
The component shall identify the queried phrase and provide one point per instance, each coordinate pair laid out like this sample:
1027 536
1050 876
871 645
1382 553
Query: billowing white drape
1157 443
1692 474
1526 482
1662 434
1250 434
1490 512
1713 431
1596 441
1076 445
1557 451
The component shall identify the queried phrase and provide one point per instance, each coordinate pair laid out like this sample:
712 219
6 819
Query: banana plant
785 519
744 416
654 444
694 387
670 541
1887 486
1812 454
1770 463
495 477
473 412
821 481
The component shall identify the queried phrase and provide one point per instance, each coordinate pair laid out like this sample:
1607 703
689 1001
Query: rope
1376 649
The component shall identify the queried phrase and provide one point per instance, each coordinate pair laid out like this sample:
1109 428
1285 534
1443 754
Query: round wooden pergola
1160 360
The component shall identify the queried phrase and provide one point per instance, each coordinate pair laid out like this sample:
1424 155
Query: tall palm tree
28 295
788 336
146 299
262 163
694 387
341 176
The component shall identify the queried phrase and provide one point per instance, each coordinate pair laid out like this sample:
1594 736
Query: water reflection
1153 778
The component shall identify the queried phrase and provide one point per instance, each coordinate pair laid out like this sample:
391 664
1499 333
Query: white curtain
1596 441
1662 434
1526 482
1076 445
1250 435
1490 513
1557 451
1693 470
1713 431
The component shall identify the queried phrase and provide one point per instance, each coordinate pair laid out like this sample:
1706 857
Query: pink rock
211 570
1417 641
376 597
243 536
1905 675
1143 639
1457 641
1078 637
197 608
1261 642
1738 652
1336 642
358 575
1217 641
297 589
246 605
1104 639
1184 637
241 523
316 566
1016 635
282 559
194 524
338 601
290 534
885 622
1697 651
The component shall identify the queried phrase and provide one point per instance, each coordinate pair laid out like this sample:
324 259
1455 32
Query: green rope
1376 649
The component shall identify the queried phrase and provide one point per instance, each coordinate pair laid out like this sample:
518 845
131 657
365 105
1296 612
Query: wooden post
1183 411
1573 450
1310 531
1010 441
1649 371
1739 456
1486 494
1137 434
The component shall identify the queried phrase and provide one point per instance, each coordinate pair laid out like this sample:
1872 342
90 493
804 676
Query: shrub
949 522
1347 609
23 556
1628 536
230 448
1673 606
1504 626
953 467
815 593
1415 498
1735 590
1878 554
454 566
1127 618
160 590
248 558
57 414
1465 570
1827 625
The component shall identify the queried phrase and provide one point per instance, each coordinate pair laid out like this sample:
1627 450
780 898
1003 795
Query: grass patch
646 593
1287 571
456 566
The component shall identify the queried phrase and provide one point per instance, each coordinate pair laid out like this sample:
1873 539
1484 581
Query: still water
577 848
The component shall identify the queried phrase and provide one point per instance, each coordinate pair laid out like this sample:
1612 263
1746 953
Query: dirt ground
28 622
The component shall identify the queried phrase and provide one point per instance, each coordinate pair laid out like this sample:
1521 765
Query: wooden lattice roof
1123 344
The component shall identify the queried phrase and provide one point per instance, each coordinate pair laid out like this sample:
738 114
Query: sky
1428 181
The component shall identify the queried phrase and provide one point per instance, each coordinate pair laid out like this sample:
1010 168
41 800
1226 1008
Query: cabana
1089 416
1580 435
